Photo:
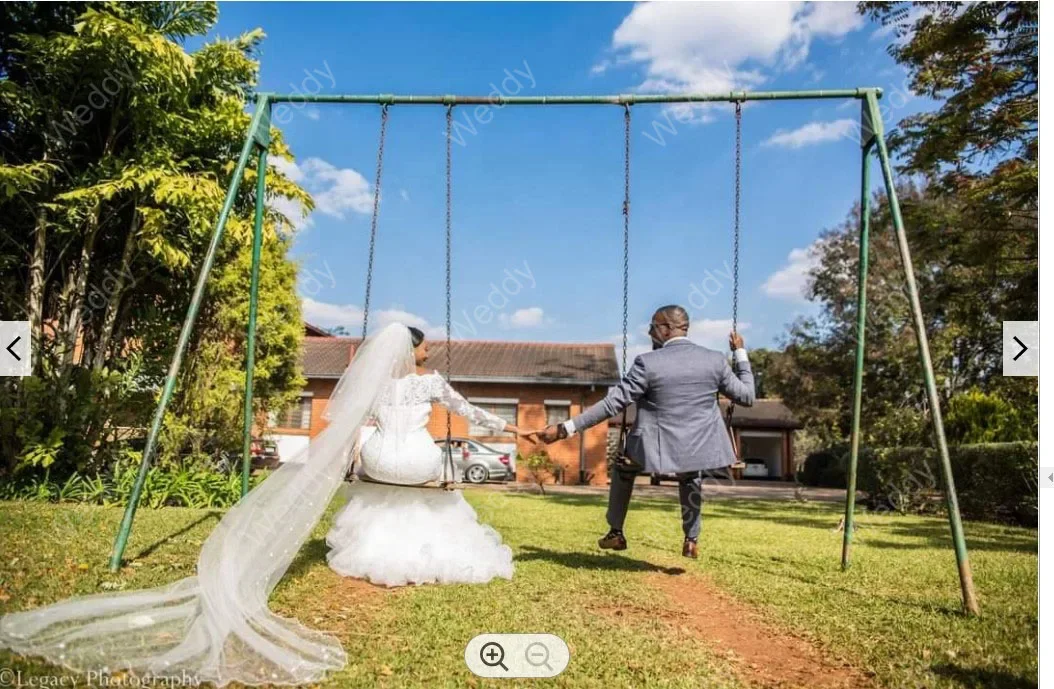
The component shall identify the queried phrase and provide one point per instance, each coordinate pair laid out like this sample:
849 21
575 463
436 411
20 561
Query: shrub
539 465
994 481
163 487
825 468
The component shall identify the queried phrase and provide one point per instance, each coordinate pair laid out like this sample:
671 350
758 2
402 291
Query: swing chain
625 246
735 222
450 477
373 220
735 260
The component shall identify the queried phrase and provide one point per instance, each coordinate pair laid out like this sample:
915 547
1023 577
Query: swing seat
430 485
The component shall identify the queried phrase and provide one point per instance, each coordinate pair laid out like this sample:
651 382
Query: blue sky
538 191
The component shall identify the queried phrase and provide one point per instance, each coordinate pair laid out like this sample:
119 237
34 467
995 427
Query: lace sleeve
452 400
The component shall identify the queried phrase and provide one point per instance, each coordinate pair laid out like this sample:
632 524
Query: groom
679 429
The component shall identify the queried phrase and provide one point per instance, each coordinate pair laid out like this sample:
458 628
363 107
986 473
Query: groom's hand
551 434
735 341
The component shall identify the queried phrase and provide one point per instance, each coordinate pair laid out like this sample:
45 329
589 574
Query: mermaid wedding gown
398 534
216 626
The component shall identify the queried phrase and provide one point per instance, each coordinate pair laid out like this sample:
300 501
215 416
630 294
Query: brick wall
321 389
530 413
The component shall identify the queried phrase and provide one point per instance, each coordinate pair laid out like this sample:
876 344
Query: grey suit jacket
679 427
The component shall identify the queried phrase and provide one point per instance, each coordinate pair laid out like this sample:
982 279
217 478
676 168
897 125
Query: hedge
994 481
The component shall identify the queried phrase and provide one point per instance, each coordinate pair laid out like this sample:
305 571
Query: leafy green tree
971 218
117 145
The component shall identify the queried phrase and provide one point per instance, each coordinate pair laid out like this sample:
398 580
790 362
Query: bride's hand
509 428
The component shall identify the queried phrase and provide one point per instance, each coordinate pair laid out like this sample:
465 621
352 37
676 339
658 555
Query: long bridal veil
216 626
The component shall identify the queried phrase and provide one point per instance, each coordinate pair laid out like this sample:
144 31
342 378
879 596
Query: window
506 409
557 411
296 416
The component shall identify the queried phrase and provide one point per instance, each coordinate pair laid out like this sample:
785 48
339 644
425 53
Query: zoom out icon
517 655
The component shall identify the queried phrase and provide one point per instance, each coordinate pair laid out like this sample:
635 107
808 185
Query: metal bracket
262 135
869 126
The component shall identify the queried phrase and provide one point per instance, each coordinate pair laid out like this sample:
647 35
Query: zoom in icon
493 655
517 655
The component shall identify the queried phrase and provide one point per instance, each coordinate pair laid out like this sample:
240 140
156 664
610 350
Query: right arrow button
1020 348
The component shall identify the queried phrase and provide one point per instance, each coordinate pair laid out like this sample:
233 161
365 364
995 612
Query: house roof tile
590 363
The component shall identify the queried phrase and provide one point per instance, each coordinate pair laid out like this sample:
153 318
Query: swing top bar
621 99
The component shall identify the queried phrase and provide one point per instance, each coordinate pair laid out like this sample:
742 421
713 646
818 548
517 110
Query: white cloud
335 190
292 210
405 195
791 281
530 317
312 114
814 133
330 315
287 167
713 332
722 46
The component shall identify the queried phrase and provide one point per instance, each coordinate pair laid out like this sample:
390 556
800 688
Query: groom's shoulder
695 351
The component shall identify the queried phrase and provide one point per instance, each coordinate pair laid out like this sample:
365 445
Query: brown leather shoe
690 549
612 541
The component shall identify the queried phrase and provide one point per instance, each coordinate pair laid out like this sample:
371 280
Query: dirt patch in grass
342 606
760 653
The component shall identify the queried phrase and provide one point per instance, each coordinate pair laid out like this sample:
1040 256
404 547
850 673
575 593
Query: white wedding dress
399 534
216 626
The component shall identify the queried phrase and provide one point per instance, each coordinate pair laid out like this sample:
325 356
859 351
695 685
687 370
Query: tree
979 148
971 218
117 145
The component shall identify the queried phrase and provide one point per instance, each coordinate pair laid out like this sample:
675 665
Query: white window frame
474 430
546 404
307 397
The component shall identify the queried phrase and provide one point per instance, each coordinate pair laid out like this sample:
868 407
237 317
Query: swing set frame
873 142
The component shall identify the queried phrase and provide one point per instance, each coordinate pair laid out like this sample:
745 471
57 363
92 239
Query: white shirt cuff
569 425
740 355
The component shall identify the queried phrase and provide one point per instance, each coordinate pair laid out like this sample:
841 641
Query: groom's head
668 321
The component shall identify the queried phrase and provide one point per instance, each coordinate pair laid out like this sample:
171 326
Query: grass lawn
894 615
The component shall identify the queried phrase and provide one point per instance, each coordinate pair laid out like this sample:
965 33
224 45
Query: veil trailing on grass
216 627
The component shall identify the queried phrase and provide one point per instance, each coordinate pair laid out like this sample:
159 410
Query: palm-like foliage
116 146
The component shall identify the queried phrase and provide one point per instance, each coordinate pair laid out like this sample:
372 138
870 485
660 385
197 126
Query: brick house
530 384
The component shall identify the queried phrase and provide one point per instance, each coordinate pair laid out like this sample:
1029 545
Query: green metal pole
181 345
955 520
616 99
250 339
861 326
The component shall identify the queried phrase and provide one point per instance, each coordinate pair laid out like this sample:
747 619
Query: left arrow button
16 356
13 343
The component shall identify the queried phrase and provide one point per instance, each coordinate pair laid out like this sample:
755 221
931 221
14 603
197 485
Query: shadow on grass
612 562
145 552
930 534
651 502
979 536
979 678
311 553
867 596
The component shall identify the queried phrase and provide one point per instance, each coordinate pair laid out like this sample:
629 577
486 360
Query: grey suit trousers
690 492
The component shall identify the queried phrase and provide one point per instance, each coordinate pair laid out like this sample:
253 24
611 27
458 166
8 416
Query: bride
393 535
215 626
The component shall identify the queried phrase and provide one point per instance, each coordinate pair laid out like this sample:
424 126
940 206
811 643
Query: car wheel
477 473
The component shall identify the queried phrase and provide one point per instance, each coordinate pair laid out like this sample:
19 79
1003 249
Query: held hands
549 434
735 341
